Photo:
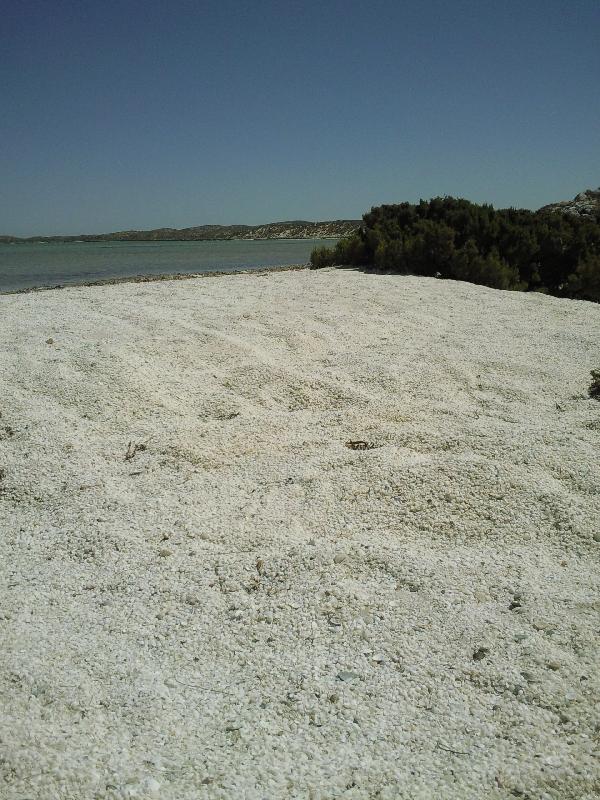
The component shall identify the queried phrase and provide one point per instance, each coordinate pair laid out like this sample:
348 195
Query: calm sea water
25 265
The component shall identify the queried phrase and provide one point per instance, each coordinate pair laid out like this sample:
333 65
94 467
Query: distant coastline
295 229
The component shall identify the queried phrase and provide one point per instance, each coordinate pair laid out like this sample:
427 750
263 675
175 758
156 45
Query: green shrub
321 257
491 270
452 238
390 255
584 283
351 251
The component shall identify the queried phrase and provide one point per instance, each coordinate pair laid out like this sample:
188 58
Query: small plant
594 390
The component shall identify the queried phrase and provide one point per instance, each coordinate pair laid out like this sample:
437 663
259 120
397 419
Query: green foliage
321 257
351 251
491 270
584 283
453 238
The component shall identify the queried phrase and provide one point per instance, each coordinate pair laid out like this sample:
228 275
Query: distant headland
296 229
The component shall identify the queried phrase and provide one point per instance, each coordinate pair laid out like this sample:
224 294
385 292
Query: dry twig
132 449
360 444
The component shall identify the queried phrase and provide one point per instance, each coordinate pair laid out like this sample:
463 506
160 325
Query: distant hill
295 229
586 204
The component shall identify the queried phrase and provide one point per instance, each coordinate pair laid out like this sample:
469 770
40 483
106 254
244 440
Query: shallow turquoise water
25 265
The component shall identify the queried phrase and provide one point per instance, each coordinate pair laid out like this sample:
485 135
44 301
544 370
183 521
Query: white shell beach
205 592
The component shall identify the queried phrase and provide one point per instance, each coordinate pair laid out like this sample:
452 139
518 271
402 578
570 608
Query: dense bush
321 257
585 281
453 238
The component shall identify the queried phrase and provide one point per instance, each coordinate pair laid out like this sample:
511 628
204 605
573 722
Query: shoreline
158 241
164 276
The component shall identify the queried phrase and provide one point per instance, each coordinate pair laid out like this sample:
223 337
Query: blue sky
142 114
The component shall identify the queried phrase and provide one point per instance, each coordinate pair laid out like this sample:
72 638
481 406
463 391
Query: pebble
347 675
553 665
541 625
164 552
597 536
339 558
192 599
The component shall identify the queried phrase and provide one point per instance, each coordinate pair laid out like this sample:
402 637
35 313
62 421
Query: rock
339 558
347 675
164 552
481 653
529 677
586 204
192 599
541 625
597 536
553 665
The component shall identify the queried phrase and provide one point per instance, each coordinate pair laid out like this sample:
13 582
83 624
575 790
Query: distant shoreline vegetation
446 237
294 229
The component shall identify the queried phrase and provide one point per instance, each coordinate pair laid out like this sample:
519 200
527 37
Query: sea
27 265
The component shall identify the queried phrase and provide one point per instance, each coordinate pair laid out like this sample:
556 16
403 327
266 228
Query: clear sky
134 114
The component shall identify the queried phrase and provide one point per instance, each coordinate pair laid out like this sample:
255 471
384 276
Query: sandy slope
248 608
